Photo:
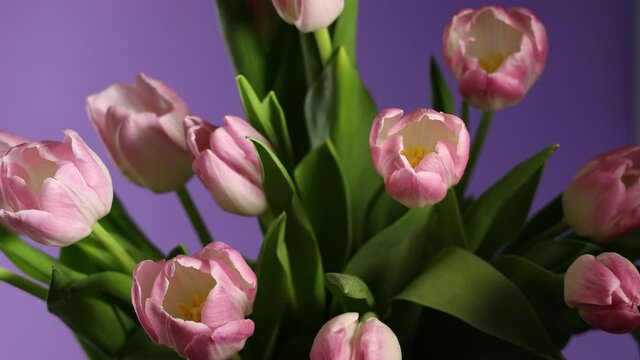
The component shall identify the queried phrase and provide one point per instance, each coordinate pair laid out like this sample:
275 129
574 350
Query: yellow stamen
414 154
492 62
192 311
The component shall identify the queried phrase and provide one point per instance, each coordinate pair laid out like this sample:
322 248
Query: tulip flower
53 192
197 304
603 200
309 15
420 155
345 338
496 54
227 163
8 140
142 128
606 291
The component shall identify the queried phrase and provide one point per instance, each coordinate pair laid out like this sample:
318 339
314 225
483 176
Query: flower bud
8 140
53 192
602 202
606 291
142 128
420 155
496 54
227 163
197 304
309 15
345 338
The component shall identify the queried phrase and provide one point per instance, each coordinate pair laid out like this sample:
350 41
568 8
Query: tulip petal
44 227
587 281
615 321
225 341
378 342
144 276
334 341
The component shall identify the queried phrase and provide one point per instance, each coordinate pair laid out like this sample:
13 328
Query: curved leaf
350 291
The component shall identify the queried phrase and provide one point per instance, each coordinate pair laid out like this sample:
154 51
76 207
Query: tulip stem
23 283
194 216
112 245
476 147
464 112
325 48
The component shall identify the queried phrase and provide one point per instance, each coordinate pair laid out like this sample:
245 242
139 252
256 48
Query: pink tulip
197 304
606 291
309 15
496 54
419 155
345 338
53 192
227 163
142 128
8 140
603 200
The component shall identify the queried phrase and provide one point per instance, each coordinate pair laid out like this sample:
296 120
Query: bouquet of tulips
372 247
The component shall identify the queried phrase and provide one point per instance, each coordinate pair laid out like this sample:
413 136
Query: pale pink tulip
8 140
53 192
197 304
345 338
497 54
142 128
309 15
227 163
603 200
606 291
420 155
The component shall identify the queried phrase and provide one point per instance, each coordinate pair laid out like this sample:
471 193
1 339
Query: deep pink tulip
419 155
497 54
142 127
197 304
345 338
606 291
309 15
53 192
603 200
8 140
227 163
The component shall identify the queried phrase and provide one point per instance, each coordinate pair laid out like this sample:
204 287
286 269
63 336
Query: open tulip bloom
372 248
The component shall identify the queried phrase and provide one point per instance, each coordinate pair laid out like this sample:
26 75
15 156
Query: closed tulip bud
345 338
603 200
227 163
142 128
309 15
497 54
420 155
606 291
197 304
53 192
8 140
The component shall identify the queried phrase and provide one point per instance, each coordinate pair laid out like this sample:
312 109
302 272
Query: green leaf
544 219
345 30
557 255
271 300
340 106
178 250
350 291
141 347
440 94
483 213
382 212
322 191
392 258
462 285
449 226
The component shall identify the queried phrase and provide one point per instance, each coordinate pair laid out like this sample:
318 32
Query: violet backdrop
55 53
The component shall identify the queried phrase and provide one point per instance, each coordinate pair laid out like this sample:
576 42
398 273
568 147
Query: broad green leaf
557 255
271 300
441 99
340 106
350 291
449 227
462 285
345 30
480 216
546 218
141 347
323 193
392 258
545 292
382 212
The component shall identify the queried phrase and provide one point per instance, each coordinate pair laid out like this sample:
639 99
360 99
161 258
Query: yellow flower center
193 310
414 154
492 62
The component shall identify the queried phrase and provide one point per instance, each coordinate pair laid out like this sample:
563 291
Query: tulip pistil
414 154
192 310
492 62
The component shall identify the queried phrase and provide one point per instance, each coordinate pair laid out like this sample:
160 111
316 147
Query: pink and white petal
378 342
315 15
224 304
384 121
225 341
587 281
171 332
144 276
240 130
615 321
416 189
334 341
626 272
198 134
8 140
230 151
44 228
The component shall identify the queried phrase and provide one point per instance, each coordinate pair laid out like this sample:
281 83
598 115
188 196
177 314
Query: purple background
55 53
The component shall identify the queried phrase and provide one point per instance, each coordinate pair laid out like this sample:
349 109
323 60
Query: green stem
113 246
23 283
325 48
476 147
464 112
194 216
